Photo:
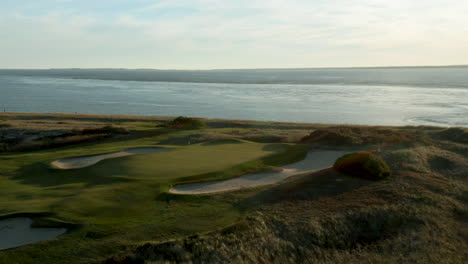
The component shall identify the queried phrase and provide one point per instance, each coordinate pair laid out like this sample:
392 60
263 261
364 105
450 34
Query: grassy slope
120 204
419 215
117 202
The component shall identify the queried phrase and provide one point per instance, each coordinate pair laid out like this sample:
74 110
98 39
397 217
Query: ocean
373 96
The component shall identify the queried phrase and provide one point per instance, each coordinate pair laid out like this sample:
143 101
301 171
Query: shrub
104 130
363 165
185 123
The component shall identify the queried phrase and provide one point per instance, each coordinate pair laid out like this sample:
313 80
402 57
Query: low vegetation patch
4 125
44 140
183 122
348 136
455 134
104 130
327 136
363 165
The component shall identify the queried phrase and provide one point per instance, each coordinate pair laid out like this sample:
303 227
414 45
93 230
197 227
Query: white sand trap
85 161
16 232
315 160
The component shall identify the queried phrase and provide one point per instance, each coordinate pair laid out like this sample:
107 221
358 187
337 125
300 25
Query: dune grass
120 207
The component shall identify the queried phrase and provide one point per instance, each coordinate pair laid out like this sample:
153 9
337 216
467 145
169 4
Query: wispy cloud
232 34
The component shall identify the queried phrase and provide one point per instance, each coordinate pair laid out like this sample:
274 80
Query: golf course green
97 189
120 201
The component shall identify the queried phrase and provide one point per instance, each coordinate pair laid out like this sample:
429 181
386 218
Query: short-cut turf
116 201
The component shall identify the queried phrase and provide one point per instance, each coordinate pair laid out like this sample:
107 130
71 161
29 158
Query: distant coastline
249 69
414 76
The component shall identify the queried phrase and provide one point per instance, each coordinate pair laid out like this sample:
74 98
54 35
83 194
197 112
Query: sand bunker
16 232
85 161
315 160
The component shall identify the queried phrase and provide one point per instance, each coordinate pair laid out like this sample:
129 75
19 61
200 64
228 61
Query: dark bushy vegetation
104 130
455 134
64 139
50 143
363 165
183 122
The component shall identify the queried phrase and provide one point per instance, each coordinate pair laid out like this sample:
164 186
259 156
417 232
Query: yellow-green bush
363 165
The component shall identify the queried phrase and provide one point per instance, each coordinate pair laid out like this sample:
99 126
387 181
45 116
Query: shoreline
156 118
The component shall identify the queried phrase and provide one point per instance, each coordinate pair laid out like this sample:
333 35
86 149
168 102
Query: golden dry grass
419 215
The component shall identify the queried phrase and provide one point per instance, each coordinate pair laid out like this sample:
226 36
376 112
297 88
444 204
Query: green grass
116 203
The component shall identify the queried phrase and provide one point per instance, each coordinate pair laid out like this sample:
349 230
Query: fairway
151 168
86 161
120 193
119 203
315 160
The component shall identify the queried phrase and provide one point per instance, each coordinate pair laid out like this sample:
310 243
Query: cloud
233 34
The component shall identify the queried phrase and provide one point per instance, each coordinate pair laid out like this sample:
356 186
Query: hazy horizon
242 69
254 34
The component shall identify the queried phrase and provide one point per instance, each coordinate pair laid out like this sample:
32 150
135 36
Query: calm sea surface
411 96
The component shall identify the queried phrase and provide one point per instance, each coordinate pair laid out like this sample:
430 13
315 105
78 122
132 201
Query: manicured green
120 203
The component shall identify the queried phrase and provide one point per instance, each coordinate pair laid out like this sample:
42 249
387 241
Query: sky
228 34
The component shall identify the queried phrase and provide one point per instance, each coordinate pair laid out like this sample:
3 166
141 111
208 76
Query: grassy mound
455 134
328 136
363 165
185 123
348 136
258 239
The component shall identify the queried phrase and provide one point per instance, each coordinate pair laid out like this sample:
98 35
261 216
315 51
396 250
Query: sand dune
85 161
315 160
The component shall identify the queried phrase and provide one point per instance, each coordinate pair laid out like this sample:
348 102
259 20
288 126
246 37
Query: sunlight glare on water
320 103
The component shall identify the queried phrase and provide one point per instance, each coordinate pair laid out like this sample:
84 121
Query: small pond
17 231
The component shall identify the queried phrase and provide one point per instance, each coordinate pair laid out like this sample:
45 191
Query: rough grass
355 135
417 216
47 143
38 140
456 134
124 213
334 229
110 198
265 239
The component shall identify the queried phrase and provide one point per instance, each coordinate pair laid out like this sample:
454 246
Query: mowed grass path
118 202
